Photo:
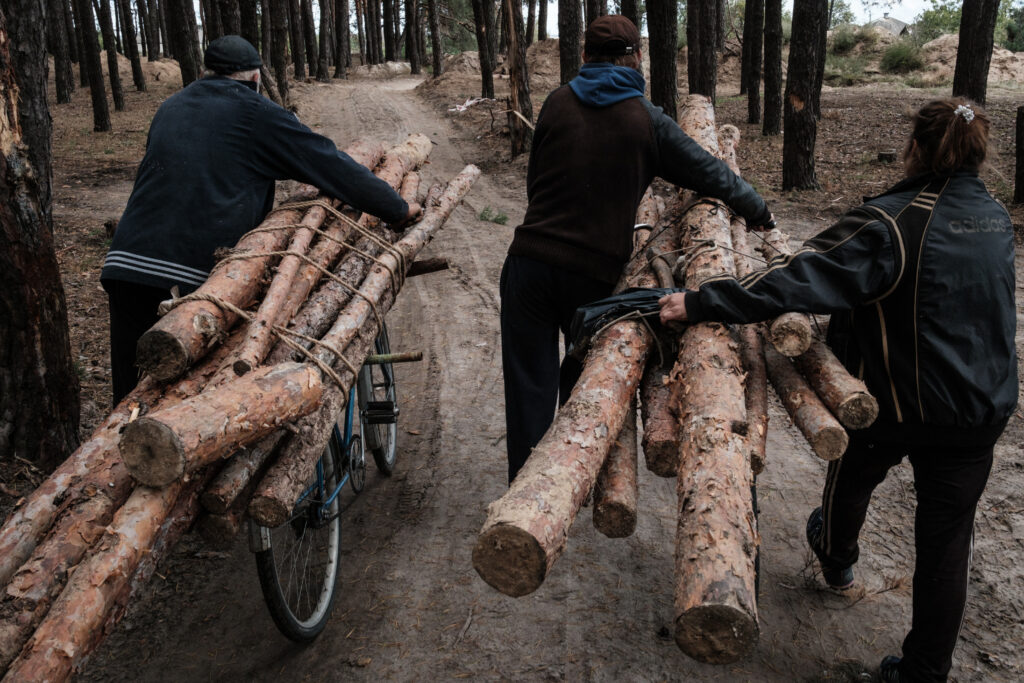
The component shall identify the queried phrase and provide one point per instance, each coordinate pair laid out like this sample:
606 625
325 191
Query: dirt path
411 607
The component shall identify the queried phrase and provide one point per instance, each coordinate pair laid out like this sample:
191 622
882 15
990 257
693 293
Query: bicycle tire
377 383
287 587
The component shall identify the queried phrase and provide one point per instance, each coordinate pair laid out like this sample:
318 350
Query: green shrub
843 40
902 57
489 214
867 37
845 70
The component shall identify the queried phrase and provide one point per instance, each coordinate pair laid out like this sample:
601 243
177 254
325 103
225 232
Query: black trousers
949 481
133 310
537 301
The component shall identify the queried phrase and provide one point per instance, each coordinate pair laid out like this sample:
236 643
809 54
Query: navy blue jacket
213 154
920 283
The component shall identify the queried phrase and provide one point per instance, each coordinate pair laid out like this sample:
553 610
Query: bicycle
298 562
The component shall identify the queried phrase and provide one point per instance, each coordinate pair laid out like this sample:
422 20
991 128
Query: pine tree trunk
360 31
772 67
800 119
209 16
138 78
309 35
298 47
412 36
279 40
436 46
664 35
482 30
342 34
977 24
69 30
146 29
753 31
143 32
519 79
702 58
389 31
531 21
119 29
184 38
591 11
542 20
231 16
819 71
39 399
378 30
323 72
569 30
57 41
100 111
248 22
83 69
266 22
108 44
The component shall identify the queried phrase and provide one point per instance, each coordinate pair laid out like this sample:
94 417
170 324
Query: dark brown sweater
588 170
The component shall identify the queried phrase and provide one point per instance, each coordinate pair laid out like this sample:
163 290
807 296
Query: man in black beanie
214 151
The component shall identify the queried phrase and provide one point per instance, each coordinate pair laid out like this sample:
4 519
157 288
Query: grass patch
489 214
845 70
843 40
901 58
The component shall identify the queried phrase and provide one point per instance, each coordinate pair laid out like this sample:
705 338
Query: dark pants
949 482
133 310
537 301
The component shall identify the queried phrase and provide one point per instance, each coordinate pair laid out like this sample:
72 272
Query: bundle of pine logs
703 400
257 363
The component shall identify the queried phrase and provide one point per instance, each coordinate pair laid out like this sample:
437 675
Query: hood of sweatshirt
602 84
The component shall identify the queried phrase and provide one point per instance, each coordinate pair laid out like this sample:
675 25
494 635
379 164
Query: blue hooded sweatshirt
601 84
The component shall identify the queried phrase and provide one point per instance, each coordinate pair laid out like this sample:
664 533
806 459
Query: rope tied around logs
283 334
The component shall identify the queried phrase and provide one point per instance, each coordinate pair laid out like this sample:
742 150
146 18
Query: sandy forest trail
412 608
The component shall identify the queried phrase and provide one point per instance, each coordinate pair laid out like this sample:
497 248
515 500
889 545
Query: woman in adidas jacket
920 284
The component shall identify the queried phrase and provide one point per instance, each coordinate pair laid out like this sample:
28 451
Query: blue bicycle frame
345 441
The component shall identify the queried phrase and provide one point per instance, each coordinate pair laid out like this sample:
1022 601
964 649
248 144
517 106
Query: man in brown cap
598 145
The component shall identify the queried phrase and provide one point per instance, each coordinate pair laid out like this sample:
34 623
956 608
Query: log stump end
510 560
615 520
858 412
716 634
152 452
162 355
268 511
791 336
662 458
830 442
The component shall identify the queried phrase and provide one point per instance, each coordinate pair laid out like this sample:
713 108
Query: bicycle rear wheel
378 408
298 569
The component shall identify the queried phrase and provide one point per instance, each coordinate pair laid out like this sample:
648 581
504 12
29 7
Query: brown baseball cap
612 35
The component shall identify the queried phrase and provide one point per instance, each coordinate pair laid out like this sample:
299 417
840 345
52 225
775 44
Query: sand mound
385 70
463 63
941 55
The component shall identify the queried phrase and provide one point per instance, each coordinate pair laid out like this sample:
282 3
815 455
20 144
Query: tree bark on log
790 333
716 538
169 443
353 334
231 482
752 355
424 266
188 331
526 529
615 493
845 395
661 424
822 430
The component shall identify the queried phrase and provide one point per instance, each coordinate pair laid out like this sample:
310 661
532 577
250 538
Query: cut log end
716 634
615 520
790 335
241 367
858 412
162 355
152 452
830 443
510 560
268 511
662 458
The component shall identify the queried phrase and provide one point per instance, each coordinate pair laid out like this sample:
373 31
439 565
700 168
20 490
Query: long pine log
615 493
846 396
822 430
716 537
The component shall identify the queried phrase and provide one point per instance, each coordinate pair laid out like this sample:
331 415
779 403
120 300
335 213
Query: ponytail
949 135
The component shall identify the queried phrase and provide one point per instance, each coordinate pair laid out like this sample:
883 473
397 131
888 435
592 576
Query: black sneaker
889 670
837 579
